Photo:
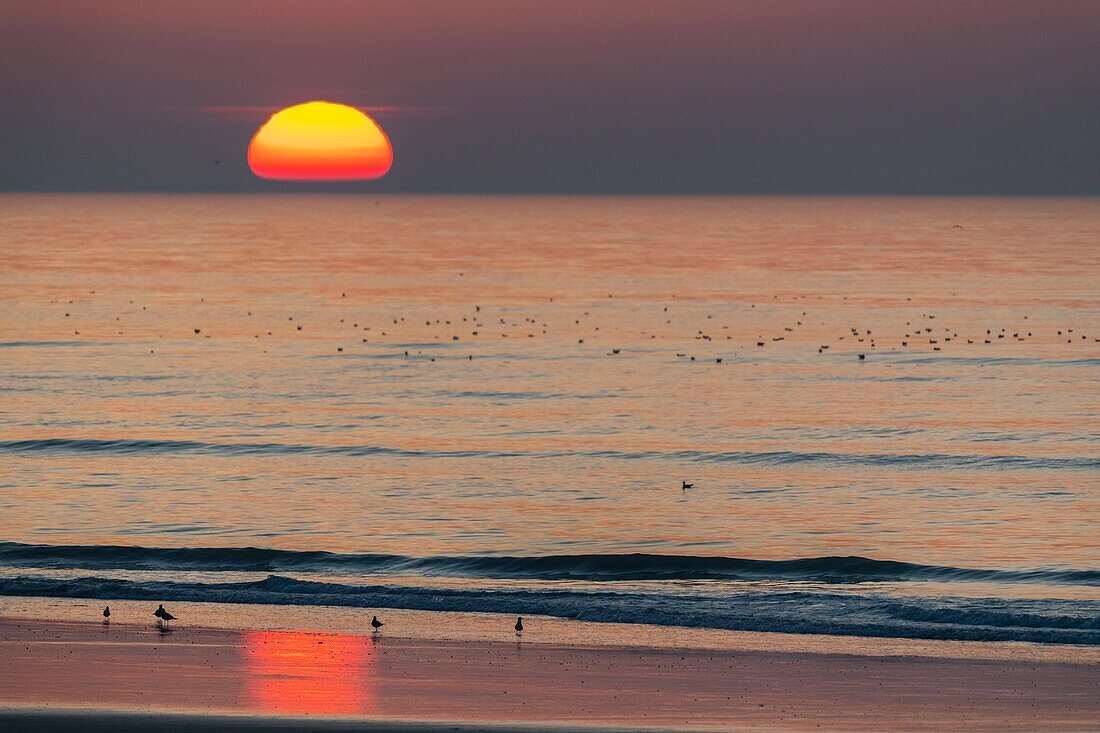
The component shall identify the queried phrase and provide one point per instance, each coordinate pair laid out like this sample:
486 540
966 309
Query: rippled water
463 377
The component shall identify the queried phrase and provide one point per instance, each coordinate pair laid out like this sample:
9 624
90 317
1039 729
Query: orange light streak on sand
309 674
320 141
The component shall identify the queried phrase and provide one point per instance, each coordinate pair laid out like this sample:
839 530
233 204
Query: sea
855 417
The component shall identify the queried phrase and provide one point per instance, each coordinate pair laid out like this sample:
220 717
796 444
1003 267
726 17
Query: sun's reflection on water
309 674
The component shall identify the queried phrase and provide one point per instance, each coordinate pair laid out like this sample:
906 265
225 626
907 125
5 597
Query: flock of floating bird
163 618
920 333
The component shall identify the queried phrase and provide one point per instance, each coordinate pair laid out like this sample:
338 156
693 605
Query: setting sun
320 141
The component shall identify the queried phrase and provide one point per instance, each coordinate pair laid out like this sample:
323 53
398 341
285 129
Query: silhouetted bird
862 357
686 485
106 614
376 624
519 625
162 615
167 617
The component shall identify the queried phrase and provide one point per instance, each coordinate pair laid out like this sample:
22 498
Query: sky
564 96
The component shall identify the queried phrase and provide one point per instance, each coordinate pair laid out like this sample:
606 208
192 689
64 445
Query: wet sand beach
60 673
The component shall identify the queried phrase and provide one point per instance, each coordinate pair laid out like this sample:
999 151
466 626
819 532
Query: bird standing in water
376 624
106 615
519 626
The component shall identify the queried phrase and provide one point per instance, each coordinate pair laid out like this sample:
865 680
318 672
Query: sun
320 141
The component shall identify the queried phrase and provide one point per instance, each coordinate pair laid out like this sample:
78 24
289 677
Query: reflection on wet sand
309 674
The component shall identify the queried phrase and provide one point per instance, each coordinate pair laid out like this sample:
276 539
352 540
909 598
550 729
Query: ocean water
888 407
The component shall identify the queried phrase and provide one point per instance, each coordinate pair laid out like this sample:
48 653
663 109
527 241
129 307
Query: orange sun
320 141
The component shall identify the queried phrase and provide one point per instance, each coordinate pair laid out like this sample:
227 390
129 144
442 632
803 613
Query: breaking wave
799 612
594 567
776 458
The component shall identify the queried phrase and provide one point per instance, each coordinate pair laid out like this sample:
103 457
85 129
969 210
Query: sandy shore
55 674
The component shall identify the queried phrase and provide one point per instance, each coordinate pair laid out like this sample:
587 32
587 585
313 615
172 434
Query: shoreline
199 675
452 626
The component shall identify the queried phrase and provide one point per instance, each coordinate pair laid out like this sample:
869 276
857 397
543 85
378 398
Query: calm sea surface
490 403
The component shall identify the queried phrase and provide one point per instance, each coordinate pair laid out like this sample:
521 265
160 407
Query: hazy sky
740 96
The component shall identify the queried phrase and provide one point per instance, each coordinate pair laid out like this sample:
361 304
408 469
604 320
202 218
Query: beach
110 677
607 366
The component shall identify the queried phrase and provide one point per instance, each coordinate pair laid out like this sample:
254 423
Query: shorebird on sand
375 623
106 615
164 616
519 626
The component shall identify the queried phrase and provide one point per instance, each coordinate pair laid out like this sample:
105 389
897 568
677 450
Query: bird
167 617
862 357
685 485
106 614
161 615
519 625
376 624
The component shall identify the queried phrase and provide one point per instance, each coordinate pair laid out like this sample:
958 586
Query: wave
592 567
520 396
996 360
777 458
47 344
1045 621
